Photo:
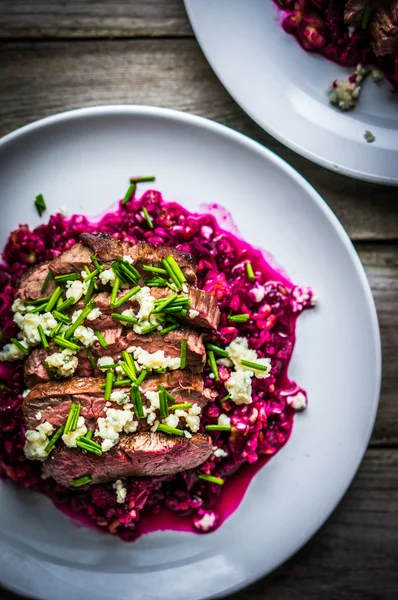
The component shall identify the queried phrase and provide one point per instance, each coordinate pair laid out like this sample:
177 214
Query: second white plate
284 88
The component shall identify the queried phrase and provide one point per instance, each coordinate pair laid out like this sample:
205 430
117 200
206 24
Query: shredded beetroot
259 429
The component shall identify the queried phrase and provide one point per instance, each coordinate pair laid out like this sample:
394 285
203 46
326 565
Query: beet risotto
143 365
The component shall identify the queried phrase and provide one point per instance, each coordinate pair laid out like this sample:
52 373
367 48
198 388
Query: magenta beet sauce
259 430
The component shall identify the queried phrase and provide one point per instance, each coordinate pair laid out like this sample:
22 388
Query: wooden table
57 55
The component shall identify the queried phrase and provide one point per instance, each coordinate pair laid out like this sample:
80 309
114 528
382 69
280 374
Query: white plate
284 88
82 160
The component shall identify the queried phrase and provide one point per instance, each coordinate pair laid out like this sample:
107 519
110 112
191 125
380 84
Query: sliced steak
32 281
71 260
383 30
35 371
143 454
51 401
146 254
105 247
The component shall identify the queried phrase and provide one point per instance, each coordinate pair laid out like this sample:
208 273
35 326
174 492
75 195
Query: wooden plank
39 79
354 554
92 18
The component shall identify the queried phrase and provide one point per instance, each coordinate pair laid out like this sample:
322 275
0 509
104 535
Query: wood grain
39 79
92 18
355 553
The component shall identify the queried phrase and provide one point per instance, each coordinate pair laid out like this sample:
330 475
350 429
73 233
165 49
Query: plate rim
269 128
267 154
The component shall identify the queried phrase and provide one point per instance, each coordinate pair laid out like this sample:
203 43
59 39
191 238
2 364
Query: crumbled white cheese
76 314
220 453
192 313
171 420
121 491
193 419
207 522
239 350
85 335
187 434
70 438
12 352
94 314
36 441
155 426
239 385
344 92
29 327
65 362
223 419
257 293
120 397
128 259
76 289
116 421
18 306
297 401
153 398
107 276
146 302
105 360
38 414
155 360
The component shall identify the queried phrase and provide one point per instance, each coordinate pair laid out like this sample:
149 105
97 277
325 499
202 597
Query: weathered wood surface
92 18
42 78
45 69
353 556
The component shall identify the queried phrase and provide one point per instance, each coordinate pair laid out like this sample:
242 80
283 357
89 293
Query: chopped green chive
71 417
67 277
135 396
217 350
242 318
148 218
54 299
115 289
128 372
40 204
183 354
154 269
171 273
213 365
125 271
59 302
46 282
80 481
167 394
142 179
60 341
163 407
168 329
91 357
19 345
80 319
61 317
43 338
95 262
156 282
75 419
88 436
89 445
254 365
129 194
126 297
250 272
148 329
211 478
56 330
120 383
366 16
141 377
54 439
101 340
124 318
128 359
66 304
108 384
181 406
176 269
218 427
128 266
48 370
89 292
109 366
170 430
38 301
161 303
92 275
38 309
227 397
86 268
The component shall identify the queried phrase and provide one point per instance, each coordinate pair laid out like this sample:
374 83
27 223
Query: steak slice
51 401
32 281
119 339
104 246
139 455
383 30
